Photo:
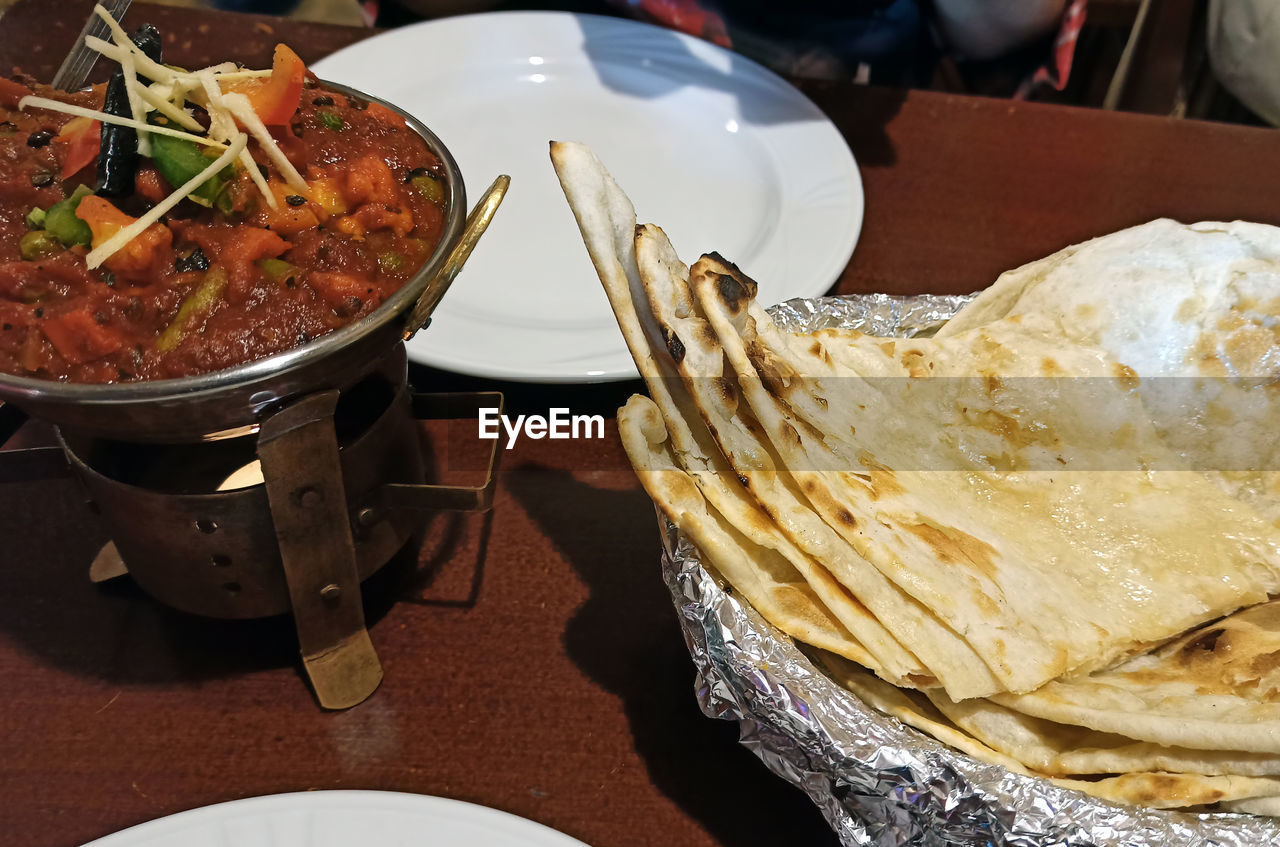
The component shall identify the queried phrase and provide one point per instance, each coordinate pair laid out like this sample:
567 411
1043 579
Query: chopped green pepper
61 220
278 271
199 302
429 188
35 218
178 160
37 244
331 121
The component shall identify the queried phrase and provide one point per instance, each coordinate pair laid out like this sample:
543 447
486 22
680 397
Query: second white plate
723 154
340 819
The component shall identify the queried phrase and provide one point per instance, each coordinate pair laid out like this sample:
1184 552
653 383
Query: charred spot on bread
674 345
732 294
1204 643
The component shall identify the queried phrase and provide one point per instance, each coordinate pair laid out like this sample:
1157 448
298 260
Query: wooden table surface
533 661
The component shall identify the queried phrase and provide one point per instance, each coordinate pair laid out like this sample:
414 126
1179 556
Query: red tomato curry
222 278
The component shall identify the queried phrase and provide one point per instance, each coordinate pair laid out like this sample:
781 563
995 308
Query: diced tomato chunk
151 185
286 218
246 246
375 216
141 254
340 289
276 97
387 116
369 180
249 244
11 92
77 145
79 338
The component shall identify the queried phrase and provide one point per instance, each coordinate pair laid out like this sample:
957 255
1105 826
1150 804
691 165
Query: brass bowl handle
477 222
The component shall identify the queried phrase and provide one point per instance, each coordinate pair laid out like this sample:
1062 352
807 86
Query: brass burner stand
291 519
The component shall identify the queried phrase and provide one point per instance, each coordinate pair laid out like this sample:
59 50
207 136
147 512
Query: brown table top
539 669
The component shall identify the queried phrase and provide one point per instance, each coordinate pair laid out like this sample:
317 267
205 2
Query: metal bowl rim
19 388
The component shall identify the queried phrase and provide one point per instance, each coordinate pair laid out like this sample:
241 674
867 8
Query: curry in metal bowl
174 223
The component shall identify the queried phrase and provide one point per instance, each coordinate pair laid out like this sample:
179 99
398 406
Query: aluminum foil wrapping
876 780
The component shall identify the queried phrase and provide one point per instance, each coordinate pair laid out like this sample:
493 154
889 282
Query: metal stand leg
299 453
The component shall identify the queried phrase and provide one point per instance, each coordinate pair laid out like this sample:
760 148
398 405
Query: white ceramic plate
721 153
340 819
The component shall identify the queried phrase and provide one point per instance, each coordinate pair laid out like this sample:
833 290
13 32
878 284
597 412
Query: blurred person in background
1244 50
1030 44
987 29
894 42
890 42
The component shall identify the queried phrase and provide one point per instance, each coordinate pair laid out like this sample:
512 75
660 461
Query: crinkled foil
877 781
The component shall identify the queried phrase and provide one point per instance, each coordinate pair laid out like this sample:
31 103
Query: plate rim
329 800
511 371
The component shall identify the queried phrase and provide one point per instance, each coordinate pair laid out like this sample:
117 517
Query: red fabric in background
1057 70
688 16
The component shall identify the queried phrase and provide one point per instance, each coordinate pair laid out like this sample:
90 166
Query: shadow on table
863 117
111 631
625 637
662 64
117 633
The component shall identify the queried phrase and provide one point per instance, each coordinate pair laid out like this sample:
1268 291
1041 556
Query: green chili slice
178 160
198 303
278 270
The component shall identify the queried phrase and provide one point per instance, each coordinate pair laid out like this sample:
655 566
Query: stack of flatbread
1047 536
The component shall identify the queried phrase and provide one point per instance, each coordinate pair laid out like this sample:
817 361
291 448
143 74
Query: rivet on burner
331 592
307 498
366 517
206 526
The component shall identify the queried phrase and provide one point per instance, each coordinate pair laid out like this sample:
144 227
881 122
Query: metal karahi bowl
876 780
232 401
